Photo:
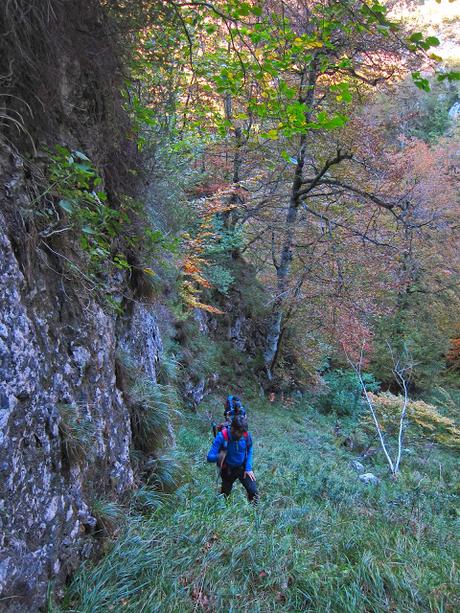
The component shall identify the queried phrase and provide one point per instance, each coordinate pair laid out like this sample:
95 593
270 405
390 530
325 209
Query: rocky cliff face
64 426
65 423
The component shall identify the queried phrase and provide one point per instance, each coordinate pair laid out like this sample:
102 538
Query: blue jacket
236 450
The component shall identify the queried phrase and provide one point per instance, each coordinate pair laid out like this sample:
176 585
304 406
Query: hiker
232 450
233 407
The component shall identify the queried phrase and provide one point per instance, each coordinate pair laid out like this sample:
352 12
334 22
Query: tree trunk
282 274
283 267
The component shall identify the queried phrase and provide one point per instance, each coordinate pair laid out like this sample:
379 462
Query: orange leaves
194 260
453 355
191 268
190 296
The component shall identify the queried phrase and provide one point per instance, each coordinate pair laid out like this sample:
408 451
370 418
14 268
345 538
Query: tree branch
389 206
357 369
312 183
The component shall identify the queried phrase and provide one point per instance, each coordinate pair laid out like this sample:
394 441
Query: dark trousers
230 474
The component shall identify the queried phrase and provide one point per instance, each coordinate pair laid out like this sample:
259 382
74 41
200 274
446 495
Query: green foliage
165 472
220 278
318 541
451 76
418 41
226 239
433 121
447 400
169 368
343 395
147 500
202 356
108 234
110 515
78 432
424 419
421 82
412 329
74 180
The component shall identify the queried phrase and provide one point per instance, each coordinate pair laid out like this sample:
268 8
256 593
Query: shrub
151 407
343 394
220 278
447 399
425 419
109 515
75 182
147 500
164 472
169 368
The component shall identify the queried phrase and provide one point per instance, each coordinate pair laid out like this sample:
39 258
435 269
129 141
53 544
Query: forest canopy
323 153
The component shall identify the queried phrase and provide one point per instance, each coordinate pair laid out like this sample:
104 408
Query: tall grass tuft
78 432
110 516
164 472
151 406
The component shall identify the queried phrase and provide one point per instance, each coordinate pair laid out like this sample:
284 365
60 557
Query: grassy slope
319 540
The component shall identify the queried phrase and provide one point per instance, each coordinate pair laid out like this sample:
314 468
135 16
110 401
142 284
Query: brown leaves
453 355
201 599
208 544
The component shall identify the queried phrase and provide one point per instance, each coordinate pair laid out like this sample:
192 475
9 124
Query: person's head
238 427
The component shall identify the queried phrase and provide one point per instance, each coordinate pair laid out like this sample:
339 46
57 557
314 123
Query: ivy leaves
105 233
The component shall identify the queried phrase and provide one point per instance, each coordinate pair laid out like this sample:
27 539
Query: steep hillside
319 540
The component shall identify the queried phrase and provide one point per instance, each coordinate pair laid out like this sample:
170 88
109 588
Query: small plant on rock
110 516
78 433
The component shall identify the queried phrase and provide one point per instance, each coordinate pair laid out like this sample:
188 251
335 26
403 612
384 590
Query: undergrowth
319 540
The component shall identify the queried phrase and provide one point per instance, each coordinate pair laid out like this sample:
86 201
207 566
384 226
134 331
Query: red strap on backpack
225 434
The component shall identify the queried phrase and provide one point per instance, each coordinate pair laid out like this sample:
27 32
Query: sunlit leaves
421 82
272 134
450 76
419 41
342 91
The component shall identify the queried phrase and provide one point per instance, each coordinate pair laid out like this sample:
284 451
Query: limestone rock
57 372
357 466
369 479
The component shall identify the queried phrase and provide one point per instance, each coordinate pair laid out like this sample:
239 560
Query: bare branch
312 183
367 195
357 369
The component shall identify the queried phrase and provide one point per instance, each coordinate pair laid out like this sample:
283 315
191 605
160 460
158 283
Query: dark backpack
233 406
216 428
